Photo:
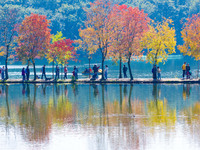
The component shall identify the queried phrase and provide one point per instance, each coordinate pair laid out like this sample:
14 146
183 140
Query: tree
52 53
160 41
135 23
62 51
116 40
87 42
191 38
98 23
33 39
9 18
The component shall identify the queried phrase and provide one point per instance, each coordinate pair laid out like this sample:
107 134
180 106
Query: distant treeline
68 15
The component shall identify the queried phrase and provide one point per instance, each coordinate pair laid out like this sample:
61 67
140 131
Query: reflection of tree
191 120
129 99
159 113
23 89
125 90
44 89
28 91
158 110
57 89
75 89
186 91
155 91
96 91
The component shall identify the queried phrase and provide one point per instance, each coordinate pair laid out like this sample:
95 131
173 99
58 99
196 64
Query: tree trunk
34 70
6 63
129 67
103 58
61 72
198 70
155 73
53 70
89 67
120 67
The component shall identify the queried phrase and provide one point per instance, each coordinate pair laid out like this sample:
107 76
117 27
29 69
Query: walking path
110 80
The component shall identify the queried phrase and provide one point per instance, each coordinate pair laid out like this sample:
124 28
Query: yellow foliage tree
160 41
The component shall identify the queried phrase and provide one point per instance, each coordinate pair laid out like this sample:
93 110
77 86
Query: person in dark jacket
23 74
95 69
124 71
27 71
43 72
57 72
154 71
188 71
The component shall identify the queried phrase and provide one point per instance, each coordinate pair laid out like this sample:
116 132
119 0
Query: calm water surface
140 69
100 117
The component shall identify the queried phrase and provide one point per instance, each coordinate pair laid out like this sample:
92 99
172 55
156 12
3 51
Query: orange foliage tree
135 23
191 38
33 39
98 25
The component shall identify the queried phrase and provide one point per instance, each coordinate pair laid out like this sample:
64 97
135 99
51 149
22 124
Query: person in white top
159 73
106 72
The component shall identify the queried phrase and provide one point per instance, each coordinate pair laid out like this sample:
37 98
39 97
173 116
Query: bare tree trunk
89 67
61 72
34 70
129 67
6 63
103 58
120 67
53 70
198 70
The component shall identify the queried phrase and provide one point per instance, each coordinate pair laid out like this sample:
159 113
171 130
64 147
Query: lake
140 69
100 116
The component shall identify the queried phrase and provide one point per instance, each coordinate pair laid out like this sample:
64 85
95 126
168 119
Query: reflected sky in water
112 116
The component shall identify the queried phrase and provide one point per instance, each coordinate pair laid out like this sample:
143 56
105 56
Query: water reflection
110 116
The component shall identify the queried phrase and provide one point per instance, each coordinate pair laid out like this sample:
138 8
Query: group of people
156 71
105 73
186 70
2 72
25 73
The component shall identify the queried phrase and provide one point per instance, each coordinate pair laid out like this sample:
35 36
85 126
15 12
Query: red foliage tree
33 39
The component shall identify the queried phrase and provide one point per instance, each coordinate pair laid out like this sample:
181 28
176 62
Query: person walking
2 73
76 72
65 72
154 71
23 74
106 72
188 71
159 73
27 71
43 72
124 71
184 69
57 72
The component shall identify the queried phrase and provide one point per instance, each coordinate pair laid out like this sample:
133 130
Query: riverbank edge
110 80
